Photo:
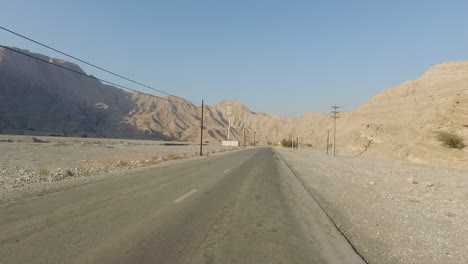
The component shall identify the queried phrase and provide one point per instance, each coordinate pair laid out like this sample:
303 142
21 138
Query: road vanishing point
239 207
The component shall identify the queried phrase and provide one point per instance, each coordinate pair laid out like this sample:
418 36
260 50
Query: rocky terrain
34 164
40 99
391 213
399 124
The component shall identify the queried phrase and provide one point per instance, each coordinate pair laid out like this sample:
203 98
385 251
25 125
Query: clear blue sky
280 57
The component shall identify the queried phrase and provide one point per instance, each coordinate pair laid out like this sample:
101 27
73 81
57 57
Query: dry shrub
44 172
450 140
152 162
85 173
123 163
172 156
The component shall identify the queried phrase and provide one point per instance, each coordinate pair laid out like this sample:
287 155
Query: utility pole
301 143
297 143
255 133
201 129
245 143
334 112
328 137
292 139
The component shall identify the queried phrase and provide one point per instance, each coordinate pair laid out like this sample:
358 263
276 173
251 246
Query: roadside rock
429 184
411 180
36 140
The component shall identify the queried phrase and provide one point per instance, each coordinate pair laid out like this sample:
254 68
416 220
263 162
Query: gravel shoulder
391 213
35 165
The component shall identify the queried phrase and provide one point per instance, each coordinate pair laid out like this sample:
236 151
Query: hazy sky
280 57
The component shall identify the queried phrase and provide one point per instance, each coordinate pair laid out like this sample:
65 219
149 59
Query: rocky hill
37 98
399 123
402 123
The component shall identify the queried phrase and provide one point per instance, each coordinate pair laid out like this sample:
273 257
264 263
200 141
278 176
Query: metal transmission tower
229 114
334 112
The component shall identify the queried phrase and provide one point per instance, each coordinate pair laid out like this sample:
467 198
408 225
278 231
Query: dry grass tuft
85 173
122 163
450 140
44 172
172 156
152 162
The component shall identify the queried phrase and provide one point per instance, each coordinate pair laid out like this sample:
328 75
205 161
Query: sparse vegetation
85 173
153 161
450 140
309 145
44 172
122 163
172 156
287 143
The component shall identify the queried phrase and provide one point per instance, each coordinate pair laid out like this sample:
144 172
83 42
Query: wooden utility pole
201 129
334 112
292 139
245 143
255 133
328 137
297 142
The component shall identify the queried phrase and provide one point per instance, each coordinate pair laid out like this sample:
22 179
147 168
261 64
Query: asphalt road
241 207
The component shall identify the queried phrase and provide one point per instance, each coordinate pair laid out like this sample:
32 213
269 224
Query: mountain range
399 123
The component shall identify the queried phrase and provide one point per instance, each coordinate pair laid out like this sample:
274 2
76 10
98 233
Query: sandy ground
33 164
391 213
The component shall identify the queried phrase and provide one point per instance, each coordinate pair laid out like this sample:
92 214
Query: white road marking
185 196
226 171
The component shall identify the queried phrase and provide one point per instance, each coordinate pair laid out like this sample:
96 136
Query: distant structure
229 142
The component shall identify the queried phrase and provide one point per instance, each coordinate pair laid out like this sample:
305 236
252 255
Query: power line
86 75
88 63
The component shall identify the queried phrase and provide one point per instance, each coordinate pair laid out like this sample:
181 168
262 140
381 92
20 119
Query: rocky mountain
37 98
399 123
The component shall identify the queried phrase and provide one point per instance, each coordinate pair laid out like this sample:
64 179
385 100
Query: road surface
241 207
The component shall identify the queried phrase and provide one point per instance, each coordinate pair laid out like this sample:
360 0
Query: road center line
185 196
226 171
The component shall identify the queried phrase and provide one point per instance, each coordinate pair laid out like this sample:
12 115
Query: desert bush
123 163
85 173
172 156
44 172
153 161
309 145
450 140
286 143
269 143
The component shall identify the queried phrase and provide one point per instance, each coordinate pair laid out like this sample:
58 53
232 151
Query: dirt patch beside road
391 213
30 164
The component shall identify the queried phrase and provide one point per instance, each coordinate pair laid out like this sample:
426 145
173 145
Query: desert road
240 207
